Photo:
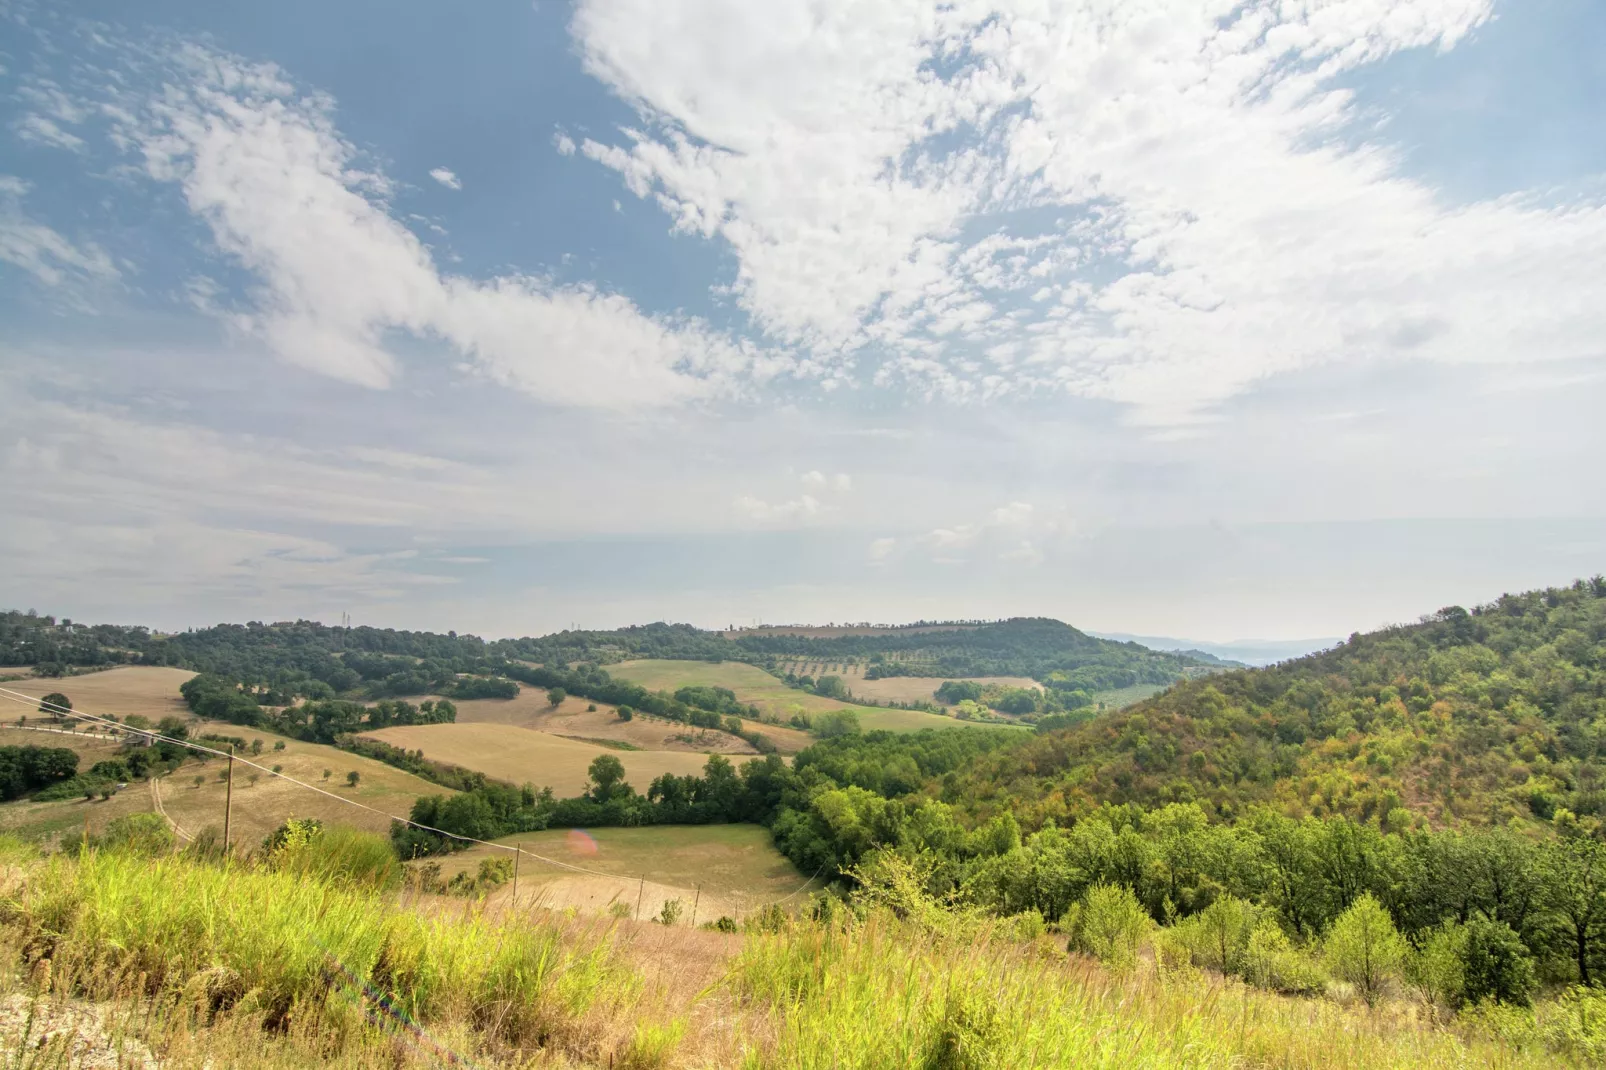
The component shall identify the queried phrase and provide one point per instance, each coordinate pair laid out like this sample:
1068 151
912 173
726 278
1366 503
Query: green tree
1574 867
626 713
352 778
54 703
1364 949
1109 923
607 778
555 696
1495 964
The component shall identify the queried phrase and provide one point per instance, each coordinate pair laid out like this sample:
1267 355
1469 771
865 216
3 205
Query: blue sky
1172 317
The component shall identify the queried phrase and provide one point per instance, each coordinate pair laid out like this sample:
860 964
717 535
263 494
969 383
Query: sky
1185 318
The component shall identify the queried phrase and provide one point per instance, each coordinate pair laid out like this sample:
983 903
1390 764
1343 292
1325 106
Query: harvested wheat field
524 756
573 720
729 870
148 690
260 805
923 688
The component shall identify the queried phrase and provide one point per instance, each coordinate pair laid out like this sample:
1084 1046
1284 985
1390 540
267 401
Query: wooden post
228 803
517 856
639 889
694 901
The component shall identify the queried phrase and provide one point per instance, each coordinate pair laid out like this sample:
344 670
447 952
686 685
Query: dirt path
156 801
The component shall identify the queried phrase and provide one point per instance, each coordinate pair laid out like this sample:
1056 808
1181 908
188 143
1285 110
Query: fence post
640 888
695 899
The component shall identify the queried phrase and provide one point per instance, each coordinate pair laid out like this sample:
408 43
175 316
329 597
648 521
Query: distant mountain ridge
1243 652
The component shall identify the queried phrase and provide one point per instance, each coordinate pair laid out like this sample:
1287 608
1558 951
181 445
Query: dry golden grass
148 690
729 870
259 807
756 687
522 756
574 720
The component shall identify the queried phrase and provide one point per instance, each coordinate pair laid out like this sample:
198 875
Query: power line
65 711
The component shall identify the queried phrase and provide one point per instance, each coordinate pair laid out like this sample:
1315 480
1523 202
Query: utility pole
518 855
639 889
228 802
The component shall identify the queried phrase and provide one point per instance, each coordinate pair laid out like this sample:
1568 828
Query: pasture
148 690
573 720
756 687
726 869
260 806
524 756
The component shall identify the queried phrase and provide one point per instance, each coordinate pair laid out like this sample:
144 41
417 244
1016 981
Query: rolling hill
1476 716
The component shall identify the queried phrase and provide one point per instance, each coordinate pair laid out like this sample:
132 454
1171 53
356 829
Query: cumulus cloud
446 178
1148 202
563 143
286 196
803 506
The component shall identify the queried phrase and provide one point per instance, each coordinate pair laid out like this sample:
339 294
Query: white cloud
40 250
1015 533
1147 202
285 195
799 508
882 549
819 480
563 143
44 131
446 178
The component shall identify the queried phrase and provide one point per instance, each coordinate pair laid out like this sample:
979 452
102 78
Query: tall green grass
289 946
882 995
301 962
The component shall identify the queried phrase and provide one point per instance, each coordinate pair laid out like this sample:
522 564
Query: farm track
156 801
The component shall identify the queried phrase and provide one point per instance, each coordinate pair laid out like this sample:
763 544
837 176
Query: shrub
352 778
1364 949
1437 969
1272 961
139 834
335 853
1495 964
671 911
1108 923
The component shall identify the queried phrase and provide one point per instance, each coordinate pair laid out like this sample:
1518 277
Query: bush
336 853
1495 964
1108 923
140 834
1364 949
1272 961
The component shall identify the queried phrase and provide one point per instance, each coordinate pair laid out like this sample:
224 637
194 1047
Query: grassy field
522 756
756 687
491 988
573 720
724 869
148 690
259 807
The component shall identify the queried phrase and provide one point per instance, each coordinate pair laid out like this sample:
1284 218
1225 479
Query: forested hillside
283 654
1046 650
1474 717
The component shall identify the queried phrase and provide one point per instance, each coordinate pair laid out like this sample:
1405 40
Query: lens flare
580 842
